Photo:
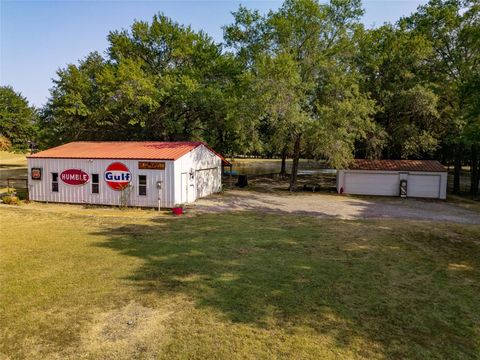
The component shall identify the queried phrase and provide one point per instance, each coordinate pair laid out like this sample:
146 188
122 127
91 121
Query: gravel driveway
343 207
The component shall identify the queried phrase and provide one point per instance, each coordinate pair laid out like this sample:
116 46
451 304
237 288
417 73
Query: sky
39 37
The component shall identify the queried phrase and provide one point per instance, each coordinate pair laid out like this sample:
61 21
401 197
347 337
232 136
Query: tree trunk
474 175
296 158
478 180
457 169
284 159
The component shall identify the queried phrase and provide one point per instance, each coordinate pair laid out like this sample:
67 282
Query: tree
392 61
453 29
160 81
17 118
301 56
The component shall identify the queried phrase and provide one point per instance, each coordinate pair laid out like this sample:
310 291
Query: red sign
36 173
74 177
117 176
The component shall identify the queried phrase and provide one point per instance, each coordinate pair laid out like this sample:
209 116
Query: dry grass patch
132 331
235 286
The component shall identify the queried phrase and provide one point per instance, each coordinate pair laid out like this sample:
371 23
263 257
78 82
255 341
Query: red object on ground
177 211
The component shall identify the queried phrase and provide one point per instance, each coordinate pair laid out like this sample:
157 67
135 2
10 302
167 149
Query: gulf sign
74 177
117 176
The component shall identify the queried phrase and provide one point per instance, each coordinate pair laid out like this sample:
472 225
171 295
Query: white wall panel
40 190
387 183
201 158
426 186
196 160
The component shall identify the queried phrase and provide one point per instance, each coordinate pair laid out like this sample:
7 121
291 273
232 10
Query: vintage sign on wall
151 165
74 177
36 173
117 176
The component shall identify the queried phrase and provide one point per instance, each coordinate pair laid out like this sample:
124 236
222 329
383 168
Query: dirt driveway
343 207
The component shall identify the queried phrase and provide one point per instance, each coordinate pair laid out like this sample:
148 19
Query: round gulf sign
117 176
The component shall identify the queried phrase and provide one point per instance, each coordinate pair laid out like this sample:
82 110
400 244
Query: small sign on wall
36 173
151 165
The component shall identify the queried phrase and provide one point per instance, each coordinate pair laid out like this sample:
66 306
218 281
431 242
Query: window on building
95 187
142 185
55 182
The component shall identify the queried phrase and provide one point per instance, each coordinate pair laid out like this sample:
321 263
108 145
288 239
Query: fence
20 186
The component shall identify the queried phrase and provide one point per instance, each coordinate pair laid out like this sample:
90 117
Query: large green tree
421 71
453 29
160 81
392 61
17 118
301 55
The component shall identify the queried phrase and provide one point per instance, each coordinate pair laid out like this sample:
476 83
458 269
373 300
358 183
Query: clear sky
38 37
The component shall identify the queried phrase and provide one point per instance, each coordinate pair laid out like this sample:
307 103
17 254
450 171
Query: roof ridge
160 150
429 165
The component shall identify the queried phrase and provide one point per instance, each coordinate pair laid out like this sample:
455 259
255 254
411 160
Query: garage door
208 181
372 184
426 186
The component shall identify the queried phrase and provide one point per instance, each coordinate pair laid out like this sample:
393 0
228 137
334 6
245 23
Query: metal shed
417 178
148 174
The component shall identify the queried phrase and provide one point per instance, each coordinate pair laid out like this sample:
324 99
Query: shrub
22 194
11 200
5 144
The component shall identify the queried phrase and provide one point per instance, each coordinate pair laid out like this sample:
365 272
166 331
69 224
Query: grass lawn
12 159
235 286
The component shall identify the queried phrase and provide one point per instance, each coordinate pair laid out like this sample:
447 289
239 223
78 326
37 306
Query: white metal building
420 178
125 173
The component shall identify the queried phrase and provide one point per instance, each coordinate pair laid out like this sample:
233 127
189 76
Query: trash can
242 181
177 211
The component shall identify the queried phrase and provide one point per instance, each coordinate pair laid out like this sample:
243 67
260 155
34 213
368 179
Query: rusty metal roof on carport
398 165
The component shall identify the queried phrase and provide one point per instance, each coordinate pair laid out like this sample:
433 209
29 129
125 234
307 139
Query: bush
11 200
22 194
5 144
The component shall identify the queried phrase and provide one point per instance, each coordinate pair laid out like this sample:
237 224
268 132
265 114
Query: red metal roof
398 165
151 150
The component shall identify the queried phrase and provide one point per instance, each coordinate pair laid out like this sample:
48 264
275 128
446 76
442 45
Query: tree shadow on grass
391 287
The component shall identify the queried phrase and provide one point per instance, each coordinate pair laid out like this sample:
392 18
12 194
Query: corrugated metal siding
200 158
82 194
376 182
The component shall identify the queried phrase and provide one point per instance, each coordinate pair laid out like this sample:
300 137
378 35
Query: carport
419 178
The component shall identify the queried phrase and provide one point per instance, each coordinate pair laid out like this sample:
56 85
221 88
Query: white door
426 186
372 183
208 181
184 187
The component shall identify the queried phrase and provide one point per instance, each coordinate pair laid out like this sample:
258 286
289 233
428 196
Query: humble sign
74 177
152 165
